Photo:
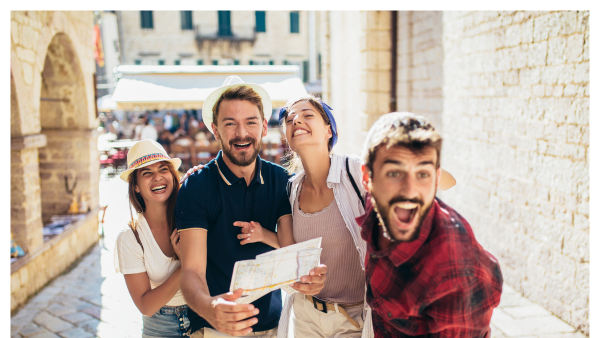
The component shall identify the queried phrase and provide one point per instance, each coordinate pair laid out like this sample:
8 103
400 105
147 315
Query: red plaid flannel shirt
444 284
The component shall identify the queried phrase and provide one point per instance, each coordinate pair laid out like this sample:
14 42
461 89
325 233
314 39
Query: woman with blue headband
326 197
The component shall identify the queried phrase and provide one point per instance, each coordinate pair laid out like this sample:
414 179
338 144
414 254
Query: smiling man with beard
427 276
236 187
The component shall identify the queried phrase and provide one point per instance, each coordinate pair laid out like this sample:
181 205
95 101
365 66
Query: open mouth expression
403 216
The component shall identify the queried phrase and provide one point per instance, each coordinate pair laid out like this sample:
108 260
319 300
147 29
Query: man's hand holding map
274 270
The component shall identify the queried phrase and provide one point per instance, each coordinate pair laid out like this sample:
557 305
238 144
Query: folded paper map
275 269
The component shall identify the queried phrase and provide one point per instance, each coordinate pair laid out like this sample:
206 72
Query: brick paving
91 300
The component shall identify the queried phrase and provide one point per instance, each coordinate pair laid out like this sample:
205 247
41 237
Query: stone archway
70 154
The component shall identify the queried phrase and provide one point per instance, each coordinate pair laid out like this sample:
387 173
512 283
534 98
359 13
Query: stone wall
516 128
420 64
51 259
168 42
52 99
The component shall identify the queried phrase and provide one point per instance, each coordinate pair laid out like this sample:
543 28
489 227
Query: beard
383 211
242 159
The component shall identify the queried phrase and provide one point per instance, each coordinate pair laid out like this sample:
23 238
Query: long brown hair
293 162
137 201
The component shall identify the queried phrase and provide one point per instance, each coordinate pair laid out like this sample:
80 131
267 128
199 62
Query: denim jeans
167 322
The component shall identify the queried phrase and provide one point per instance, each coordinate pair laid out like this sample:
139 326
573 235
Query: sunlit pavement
91 300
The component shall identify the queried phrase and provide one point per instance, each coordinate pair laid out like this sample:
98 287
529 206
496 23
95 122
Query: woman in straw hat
147 253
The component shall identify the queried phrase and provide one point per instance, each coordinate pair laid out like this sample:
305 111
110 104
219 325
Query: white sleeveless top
129 258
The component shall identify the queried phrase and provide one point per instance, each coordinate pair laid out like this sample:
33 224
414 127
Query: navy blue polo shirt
212 199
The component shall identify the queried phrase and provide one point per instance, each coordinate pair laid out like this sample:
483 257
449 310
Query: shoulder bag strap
354 183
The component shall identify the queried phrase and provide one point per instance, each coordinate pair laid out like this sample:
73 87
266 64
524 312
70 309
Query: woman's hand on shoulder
175 242
189 172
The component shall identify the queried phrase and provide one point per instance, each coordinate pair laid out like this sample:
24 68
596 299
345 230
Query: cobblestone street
91 300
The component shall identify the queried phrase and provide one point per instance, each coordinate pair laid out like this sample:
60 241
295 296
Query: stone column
375 64
25 206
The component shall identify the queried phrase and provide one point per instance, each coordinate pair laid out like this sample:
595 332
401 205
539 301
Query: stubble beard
241 161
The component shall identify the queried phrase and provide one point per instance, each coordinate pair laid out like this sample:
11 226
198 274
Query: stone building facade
201 42
510 93
53 141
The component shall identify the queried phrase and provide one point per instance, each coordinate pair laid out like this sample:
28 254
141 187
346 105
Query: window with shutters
215 62
138 62
186 20
147 21
294 22
200 62
261 25
236 62
177 62
224 23
161 62
305 71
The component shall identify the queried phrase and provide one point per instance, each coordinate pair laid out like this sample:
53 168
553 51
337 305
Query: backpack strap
354 183
288 188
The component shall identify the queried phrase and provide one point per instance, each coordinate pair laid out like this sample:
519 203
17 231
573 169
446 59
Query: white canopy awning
106 104
186 87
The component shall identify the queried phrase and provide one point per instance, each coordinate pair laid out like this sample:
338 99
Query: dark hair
243 93
401 129
293 162
137 201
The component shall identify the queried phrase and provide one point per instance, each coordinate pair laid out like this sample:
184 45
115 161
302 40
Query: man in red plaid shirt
427 276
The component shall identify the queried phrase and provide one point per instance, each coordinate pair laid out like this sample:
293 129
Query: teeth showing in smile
160 187
242 144
300 132
407 205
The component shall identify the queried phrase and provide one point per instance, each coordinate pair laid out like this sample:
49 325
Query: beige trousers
310 322
210 333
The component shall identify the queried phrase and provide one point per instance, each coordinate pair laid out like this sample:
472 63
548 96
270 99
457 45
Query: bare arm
253 232
285 231
220 311
149 300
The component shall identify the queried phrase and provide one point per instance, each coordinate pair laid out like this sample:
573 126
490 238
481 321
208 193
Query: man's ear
214 128
439 178
366 179
265 127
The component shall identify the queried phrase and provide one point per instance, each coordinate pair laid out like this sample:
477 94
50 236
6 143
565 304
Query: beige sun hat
145 153
233 81
447 181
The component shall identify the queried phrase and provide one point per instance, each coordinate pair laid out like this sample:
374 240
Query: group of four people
396 261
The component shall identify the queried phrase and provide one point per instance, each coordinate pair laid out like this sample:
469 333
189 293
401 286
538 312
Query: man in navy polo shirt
237 186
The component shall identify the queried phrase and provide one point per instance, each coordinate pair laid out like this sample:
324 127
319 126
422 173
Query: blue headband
327 110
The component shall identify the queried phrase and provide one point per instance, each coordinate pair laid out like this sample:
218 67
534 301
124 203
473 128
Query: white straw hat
145 153
233 81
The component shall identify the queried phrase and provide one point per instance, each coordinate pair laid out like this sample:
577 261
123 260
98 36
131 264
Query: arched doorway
67 160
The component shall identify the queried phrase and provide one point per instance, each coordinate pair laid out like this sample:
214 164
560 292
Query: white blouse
129 258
